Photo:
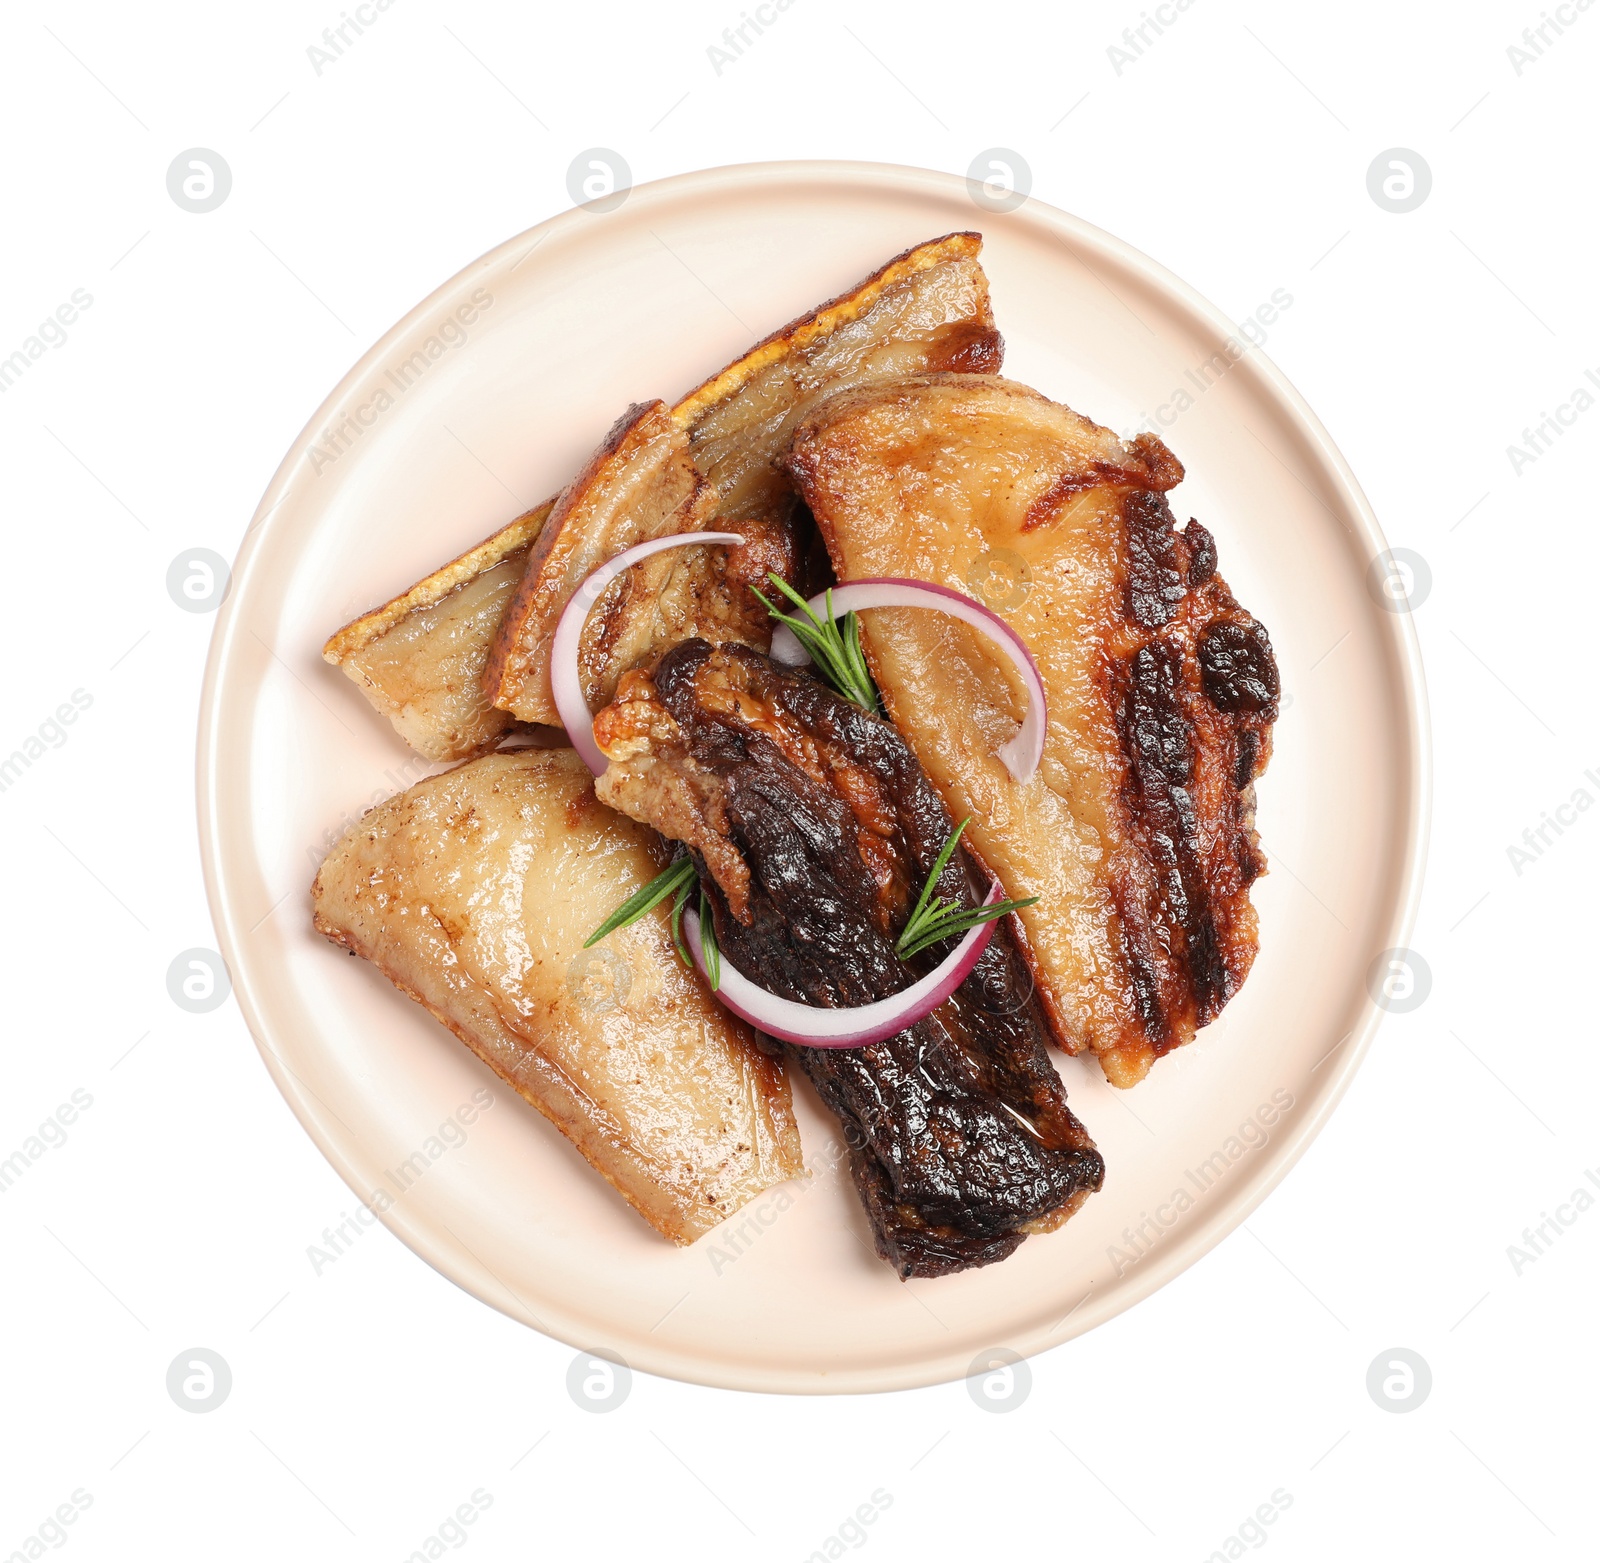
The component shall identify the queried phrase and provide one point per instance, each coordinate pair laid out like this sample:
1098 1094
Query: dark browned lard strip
813 827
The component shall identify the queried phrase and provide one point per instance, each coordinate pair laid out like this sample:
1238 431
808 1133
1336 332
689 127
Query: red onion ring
1020 755
806 1025
565 684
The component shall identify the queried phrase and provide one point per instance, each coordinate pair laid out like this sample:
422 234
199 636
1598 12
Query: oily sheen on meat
1137 832
813 828
473 893
452 668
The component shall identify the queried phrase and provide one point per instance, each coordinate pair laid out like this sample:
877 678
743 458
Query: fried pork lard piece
813 828
419 659
473 893
1137 832
711 463
641 483
423 658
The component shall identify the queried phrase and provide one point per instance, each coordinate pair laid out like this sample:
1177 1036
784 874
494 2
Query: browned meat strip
813 827
1138 829
441 660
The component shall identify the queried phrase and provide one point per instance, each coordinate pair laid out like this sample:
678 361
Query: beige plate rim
1404 889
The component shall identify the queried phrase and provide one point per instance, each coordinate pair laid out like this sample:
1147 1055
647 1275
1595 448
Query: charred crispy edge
1158 692
823 320
528 527
1056 1020
499 673
432 589
1149 467
1015 1073
1155 470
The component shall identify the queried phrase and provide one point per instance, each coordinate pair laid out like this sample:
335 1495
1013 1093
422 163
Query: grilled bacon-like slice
1138 829
422 658
813 828
473 893
641 483
711 462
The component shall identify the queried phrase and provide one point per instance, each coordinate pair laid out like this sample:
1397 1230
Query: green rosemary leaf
679 901
957 921
833 644
708 944
936 918
920 909
667 882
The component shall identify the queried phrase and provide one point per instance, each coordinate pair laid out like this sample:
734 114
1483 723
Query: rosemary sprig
708 944
935 918
680 901
834 644
674 880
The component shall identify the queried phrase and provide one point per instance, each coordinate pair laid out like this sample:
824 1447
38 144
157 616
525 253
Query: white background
372 1399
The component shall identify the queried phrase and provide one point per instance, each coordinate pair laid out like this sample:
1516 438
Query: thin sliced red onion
565 684
808 1026
1020 755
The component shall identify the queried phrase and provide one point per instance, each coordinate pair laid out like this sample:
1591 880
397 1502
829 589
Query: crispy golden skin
926 310
711 462
420 657
641 483
812 827
473 893
1137 832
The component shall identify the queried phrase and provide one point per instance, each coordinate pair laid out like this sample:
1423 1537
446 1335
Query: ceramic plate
589 312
